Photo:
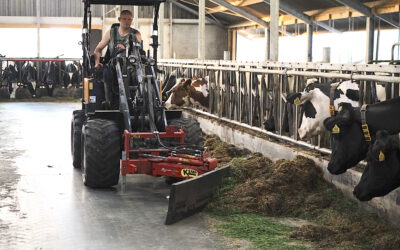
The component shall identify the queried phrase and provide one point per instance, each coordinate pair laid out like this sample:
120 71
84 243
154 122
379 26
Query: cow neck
332 91
364 125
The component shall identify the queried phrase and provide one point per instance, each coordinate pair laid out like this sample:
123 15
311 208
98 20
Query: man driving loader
116 37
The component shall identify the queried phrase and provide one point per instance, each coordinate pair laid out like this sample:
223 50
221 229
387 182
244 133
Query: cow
29 77
189 91
382 173
315 101
51 76
347 138
72 76
10 76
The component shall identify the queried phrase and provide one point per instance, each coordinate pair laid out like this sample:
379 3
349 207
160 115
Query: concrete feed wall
386 207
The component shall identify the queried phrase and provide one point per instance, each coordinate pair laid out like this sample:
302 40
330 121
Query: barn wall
185 37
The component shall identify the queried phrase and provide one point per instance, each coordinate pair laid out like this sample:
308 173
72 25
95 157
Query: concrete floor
44 205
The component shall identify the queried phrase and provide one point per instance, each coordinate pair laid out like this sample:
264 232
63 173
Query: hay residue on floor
296 189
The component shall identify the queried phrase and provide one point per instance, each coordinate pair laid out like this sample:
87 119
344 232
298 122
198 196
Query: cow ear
207 79
294 98
187 83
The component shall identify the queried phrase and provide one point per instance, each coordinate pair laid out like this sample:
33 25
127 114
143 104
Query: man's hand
98 65
120 46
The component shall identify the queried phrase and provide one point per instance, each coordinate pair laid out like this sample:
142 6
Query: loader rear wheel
78 117
191 127
101 153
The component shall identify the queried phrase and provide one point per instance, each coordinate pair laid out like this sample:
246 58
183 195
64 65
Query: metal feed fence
39 65
250 93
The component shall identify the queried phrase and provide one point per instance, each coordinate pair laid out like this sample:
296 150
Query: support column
38 27
161 31
369 53
202 30
309 42
103 20
136 17
234 44
171 48
230 33
267 44
274 30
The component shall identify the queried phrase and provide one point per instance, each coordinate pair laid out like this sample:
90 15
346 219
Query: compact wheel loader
123 127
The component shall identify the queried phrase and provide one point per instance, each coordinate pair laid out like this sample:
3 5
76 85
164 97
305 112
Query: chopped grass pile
295 189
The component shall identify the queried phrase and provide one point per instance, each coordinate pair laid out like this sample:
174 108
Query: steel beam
241 12
299 15
366 11
182 6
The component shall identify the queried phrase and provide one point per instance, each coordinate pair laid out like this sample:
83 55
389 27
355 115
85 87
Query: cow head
179 94
314 101
198 92
188 91
347 140
382 174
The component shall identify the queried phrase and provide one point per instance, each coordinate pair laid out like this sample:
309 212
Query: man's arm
99 48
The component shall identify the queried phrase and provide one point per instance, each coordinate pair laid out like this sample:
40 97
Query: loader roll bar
125 2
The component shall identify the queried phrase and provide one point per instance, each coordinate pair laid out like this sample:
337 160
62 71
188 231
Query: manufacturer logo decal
189 173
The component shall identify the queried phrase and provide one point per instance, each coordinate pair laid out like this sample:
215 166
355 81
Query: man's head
125 19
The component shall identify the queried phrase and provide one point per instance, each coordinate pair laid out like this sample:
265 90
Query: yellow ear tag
335 129
297 101
381 156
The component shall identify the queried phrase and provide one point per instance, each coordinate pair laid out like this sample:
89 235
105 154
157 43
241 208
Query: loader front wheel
101 153
78 118
193 136
192 130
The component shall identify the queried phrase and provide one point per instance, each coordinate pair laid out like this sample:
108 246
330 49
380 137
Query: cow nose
356 191
302 133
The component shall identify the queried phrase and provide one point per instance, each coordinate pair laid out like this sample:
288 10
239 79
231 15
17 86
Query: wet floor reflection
48 206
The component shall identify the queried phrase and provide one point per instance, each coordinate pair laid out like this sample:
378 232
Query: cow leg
14 90
31 89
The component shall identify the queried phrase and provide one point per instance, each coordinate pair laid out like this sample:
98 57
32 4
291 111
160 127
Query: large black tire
78 118
191 127
193 136
101 153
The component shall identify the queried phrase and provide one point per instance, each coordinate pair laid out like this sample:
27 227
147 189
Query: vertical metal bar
370 28
267 44
171 49
202 30
274 32
38 27
161 29
309 42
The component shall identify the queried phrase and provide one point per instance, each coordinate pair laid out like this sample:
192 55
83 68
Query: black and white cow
72 76
189 91
382 174
29 77
10 76
51 76
347 139
315 101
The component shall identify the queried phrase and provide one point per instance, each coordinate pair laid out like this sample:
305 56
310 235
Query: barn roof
328 15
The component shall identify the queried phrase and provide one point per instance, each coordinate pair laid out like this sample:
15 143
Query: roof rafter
241 12
246 15
366 11
300 15
211 20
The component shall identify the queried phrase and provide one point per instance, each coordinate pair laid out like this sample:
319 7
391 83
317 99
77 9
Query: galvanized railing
38 62
251 93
